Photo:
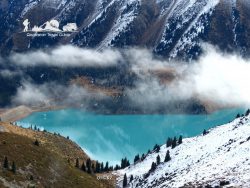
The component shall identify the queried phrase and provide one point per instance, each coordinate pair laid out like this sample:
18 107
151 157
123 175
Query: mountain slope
51 164
217 158
173 28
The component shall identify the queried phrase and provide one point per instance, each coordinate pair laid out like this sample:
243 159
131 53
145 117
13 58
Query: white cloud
67 56
222 78
30 94
53 94
215 78
8 73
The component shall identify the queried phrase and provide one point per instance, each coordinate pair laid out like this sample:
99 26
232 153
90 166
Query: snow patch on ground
55 4
121 23
198 25
183 12
221 155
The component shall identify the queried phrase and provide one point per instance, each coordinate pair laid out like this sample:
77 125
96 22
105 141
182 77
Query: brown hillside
47 164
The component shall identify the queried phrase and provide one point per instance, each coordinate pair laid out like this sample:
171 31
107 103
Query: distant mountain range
169 28
173 28
219 158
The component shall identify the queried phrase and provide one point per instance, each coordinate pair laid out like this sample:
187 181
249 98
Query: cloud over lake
217 78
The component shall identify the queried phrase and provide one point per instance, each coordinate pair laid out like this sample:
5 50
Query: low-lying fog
216 79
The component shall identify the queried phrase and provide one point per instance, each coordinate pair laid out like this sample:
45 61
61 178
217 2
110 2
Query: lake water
112 137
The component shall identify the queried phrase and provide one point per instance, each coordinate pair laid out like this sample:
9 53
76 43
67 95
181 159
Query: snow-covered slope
220 157
169 27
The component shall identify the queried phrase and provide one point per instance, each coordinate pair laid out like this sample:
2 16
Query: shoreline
20 112
17 113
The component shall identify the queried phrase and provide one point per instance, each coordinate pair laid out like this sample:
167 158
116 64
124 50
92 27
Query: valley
124 93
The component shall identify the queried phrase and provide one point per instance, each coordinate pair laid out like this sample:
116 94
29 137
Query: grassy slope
47 163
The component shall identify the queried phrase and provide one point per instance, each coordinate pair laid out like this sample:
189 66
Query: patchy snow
184 24
187 13
221 155
101 12
29 6
198 25
122 22
55 4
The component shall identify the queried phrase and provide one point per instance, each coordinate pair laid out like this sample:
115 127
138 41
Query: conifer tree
158 160
97 167
117 167
13 169
180 140
122 164
106 169
93 167
125 181
167 157
169 142
247 112
83 167
111 168
36 143
127 163
6 163
102 167
137 158
143 157
205 132
88 164
77 163
153 166
131 178
157 148
174 143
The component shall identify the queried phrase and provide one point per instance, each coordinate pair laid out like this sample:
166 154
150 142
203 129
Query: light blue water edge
113 137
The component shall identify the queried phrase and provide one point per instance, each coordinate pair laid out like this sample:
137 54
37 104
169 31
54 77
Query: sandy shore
20 112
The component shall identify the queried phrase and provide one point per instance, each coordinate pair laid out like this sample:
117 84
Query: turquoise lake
112 137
